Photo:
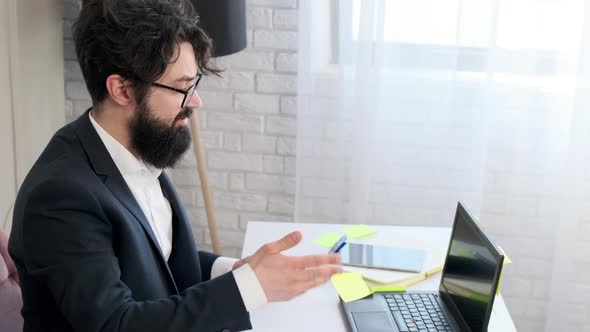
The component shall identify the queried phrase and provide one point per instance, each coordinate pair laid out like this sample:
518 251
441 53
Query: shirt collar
125 161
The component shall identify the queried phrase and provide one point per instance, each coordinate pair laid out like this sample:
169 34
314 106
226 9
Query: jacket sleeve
68 246
207 259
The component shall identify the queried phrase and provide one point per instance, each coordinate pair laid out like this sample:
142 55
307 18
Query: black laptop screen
471 271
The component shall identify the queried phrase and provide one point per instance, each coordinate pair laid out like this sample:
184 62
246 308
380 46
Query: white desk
319 309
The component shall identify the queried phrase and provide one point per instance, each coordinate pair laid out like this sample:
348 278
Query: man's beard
157 142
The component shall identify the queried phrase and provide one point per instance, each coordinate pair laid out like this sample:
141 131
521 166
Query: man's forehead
184 68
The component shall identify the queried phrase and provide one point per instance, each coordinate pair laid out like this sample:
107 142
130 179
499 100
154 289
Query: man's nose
195 101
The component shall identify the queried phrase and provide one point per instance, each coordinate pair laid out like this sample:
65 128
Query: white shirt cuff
222 265
250 288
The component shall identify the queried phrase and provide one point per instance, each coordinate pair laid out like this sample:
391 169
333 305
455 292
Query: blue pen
338 245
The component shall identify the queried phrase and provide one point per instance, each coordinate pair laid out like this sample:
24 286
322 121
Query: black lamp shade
225 22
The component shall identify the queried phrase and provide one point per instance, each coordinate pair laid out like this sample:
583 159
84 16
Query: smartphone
383 257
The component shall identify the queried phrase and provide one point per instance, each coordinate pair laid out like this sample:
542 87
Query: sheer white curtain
408 106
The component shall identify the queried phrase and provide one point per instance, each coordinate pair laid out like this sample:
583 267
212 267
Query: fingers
239 263
284 277
287 242
322 273
305 262
314 277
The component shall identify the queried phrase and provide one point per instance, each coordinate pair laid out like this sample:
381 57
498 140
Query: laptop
463 301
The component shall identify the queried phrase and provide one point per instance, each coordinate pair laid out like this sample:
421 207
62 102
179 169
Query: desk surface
319 309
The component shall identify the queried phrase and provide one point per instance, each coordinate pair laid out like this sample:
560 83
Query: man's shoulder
63 163
63 144
65 177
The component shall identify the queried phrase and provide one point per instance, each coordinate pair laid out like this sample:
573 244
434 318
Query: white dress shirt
142 180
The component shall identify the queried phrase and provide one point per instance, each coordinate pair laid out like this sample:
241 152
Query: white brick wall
286 146
288 105
277 83
248 125
260 143
285 19
287 62
259 17
274 3
275 39
257 103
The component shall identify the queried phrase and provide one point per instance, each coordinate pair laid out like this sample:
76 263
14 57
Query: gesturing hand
284 277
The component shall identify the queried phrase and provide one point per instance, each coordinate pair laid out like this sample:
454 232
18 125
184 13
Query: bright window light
511 24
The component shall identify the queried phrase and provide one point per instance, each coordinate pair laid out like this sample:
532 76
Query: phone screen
384 257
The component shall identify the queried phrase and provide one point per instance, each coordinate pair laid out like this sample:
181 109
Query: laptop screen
471 272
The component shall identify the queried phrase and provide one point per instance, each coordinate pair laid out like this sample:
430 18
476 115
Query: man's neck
115 124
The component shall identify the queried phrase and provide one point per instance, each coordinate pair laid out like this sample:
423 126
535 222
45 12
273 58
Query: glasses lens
199 76
189 95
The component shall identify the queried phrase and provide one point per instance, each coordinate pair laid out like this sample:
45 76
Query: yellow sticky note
387 288
507 260
327 240
359 231
350 286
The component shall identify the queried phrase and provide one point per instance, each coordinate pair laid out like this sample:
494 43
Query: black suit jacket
88 260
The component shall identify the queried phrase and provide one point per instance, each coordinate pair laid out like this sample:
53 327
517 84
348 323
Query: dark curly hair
136 39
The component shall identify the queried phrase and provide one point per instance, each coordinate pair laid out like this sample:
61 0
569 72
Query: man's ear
119 89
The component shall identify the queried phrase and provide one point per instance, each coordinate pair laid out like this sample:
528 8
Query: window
526 36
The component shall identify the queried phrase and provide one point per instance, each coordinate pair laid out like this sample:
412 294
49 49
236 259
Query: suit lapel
105 167
184 260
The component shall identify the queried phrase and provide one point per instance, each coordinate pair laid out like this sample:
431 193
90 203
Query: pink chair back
10 295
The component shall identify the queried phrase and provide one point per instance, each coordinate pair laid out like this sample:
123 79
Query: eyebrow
186 78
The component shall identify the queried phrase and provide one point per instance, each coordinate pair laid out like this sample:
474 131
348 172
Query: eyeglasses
188 93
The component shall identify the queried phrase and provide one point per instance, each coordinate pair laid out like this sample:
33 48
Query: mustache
186 113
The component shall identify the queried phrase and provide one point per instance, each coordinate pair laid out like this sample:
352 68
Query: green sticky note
358 231
350 286
388 288
328 240
507 260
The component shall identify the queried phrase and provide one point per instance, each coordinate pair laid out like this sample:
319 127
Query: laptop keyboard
417 312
